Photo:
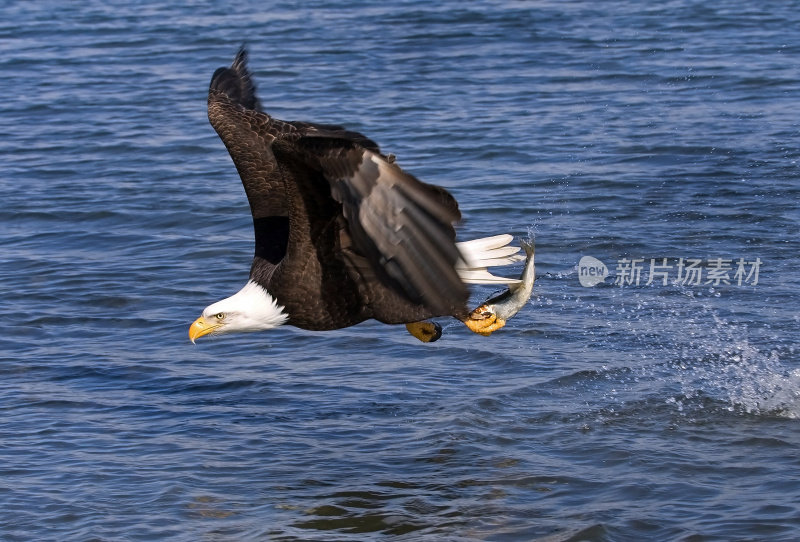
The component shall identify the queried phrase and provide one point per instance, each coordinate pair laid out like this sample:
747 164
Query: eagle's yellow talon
497 324
426 332
483 322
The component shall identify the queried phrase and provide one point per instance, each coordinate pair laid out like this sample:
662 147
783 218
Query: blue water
617 130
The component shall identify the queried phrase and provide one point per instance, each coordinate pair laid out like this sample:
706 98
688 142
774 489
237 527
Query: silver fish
507 304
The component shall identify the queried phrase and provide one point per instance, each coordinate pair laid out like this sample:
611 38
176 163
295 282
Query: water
616 130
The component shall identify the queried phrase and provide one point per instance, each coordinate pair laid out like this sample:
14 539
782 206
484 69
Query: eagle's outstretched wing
235 113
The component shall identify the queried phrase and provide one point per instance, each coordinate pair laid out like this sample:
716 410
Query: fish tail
527 246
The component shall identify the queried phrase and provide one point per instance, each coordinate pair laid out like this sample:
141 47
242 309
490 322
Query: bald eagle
342 233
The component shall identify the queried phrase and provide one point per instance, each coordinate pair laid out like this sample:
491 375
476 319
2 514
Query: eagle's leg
483 321
426 332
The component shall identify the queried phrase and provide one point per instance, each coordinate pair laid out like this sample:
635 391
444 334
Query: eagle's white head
250 309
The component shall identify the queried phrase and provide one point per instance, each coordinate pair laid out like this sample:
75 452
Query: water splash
725 365
675 345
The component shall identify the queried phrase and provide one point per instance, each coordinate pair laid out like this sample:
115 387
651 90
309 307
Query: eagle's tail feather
479 254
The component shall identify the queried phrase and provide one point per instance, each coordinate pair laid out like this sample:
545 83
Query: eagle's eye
220 316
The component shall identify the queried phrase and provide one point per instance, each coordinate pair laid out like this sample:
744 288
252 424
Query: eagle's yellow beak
200 327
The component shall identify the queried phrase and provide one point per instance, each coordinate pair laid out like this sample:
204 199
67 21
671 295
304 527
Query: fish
501 308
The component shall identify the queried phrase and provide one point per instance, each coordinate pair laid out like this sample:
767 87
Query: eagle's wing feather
334 131
233 110
403 226
235 113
